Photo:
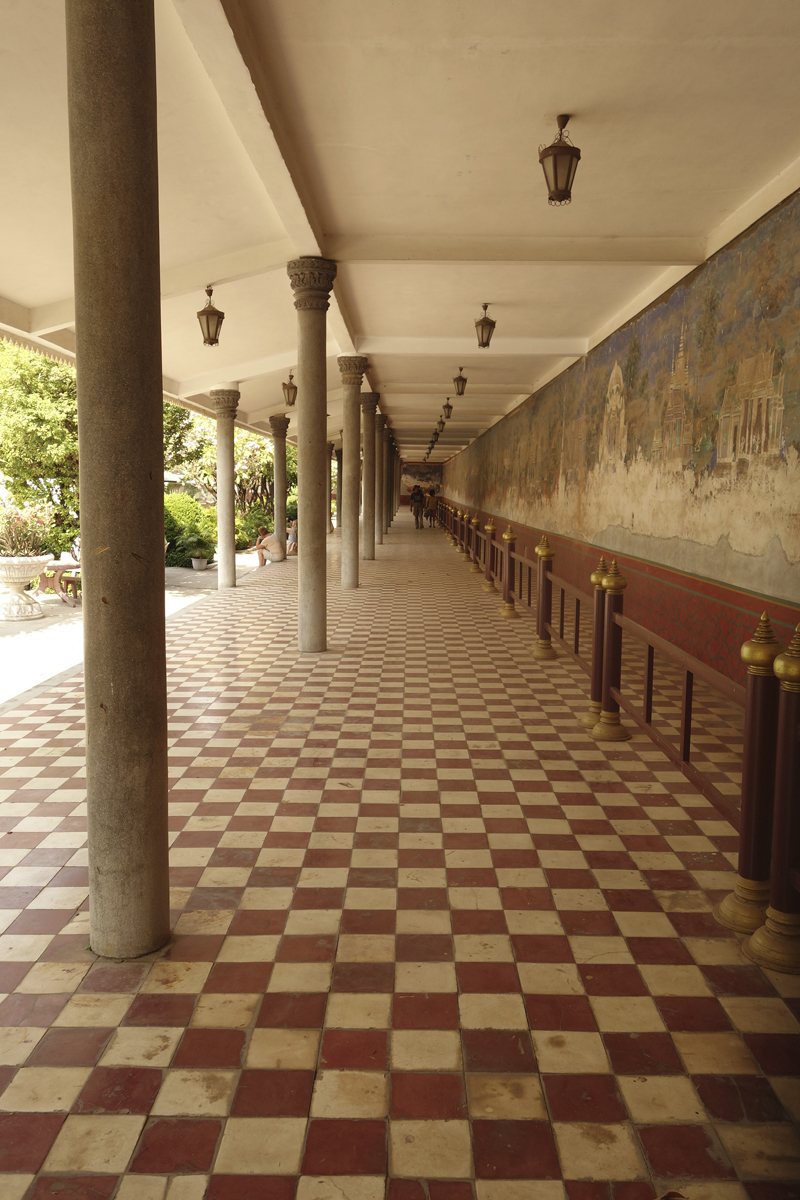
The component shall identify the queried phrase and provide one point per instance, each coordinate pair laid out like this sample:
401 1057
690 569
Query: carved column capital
331 448
311 279
352 368
369 402
279 426
380 424
225 401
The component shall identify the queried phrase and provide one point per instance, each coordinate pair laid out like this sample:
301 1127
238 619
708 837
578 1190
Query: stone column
312 280
369 402
279 426
387 481
380 426
330 485
352 370
339 489
225 399
111 72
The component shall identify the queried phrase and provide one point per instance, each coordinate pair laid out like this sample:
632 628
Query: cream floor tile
261 1146
675 980
492 1011
253 948
539 921
511 1097
23 947
313 921
426 1050
141 1046
283 1049
763 1151
569 1053
195 1093
98 1009
644 924
659 1099
715 1054
760 1014
143 1187
626 1014
423 877
358 1010
176 977
579 900
266 898
370 898
787 1089
595 1151
714 1189
323 877
50 977
474 899
785 985
204 921
550 979
717 952
225 1010
684 901
425 977
14 1187
187 1187
300 977
519 1189
365 947
482 947
416 920
17 1042
341 1187
98 1144
44 1089
430 1149
600 950
60 898
350 1094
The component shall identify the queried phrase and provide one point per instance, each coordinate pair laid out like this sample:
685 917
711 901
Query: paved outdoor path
425 927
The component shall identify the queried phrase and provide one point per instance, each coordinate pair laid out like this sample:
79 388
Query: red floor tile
292 1010
425 1011
424 947
73 1187
345 1148
560 1012
175 1145
363 977
584 1098
155 1009
541 948
25 1139
487 977
643 1054
251 1187
693 1014
119 1089
69 1048
423 1096
238 977
738 1098
359 1049
497 1050
210 1048
608 979
26 1008
514 1150
695 1153
775 1053
273 1094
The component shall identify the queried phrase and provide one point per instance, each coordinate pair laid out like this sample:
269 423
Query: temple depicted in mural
751 418
613 440
676 437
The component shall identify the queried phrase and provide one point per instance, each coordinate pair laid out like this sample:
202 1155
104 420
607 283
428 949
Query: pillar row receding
352 370
226 403
279 426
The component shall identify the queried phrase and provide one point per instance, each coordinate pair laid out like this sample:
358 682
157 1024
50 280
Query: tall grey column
226 402
330 485
369 402
339 489
279 426
111 72
352 370
380 425
312 280
387 476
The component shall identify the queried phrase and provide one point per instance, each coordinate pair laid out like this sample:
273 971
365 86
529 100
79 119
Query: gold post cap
509 535
759 653
599 573
613 580
476 520
544 549
787 664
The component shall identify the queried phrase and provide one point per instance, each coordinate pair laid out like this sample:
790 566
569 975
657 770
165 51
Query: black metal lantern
447 409
440 424
436 435
289 391
560 162
484 327
461 381
210 319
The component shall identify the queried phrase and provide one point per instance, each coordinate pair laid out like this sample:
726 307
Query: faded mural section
677 439
427 475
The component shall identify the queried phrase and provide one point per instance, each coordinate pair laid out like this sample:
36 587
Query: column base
476 569
610 729
776 945
543 650
592 717
508 612
489 586
744 910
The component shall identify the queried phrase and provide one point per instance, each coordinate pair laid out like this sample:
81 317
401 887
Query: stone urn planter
15 573
199 564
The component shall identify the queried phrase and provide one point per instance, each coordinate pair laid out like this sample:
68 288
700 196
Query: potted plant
23 537
198 546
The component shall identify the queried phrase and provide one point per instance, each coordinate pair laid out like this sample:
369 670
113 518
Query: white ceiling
401 140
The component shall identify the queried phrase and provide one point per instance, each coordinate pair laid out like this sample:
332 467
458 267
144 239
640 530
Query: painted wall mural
427 475
678 439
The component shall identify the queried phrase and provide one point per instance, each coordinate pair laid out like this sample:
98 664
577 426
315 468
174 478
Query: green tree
179 448
254 466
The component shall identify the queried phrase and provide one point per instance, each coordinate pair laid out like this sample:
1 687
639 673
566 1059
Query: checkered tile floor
425 929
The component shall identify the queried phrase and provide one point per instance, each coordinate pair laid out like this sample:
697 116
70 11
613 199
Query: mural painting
427 475
678 438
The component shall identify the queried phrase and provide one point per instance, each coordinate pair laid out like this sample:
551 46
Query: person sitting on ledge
268 547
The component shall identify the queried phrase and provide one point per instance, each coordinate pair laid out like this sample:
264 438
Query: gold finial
476 520
490 526
509 535
544 549
599 572
760 652
613 580
787 664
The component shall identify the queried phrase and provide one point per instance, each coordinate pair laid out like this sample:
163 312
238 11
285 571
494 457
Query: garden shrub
183 516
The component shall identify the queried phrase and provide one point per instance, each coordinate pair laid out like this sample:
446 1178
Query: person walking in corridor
430 507
417 505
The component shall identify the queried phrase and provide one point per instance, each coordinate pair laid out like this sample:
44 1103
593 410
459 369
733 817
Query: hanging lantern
447 409
436 435
560 162
440 424
289 391
484 327
461 381
210 319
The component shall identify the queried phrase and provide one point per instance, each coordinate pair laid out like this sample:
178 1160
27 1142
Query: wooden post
490 530
507 609
476 568
776 945
542 648
609 728
467 554
744 910
591 718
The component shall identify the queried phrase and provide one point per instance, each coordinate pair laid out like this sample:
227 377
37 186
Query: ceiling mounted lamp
210 319
560 162
436 436
460 380
289 391
440 425
447 409
484 327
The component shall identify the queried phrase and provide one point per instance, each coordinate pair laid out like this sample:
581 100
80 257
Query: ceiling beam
243 371
433 248
500 347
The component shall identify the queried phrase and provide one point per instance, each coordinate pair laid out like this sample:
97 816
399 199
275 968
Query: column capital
225 401
387 435
352 368
380 424
279 426
331 448
369 402
311 279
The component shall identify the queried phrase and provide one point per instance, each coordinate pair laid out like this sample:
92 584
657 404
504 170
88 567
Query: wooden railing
768 818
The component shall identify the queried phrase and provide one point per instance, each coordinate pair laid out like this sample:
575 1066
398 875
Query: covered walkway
425 927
